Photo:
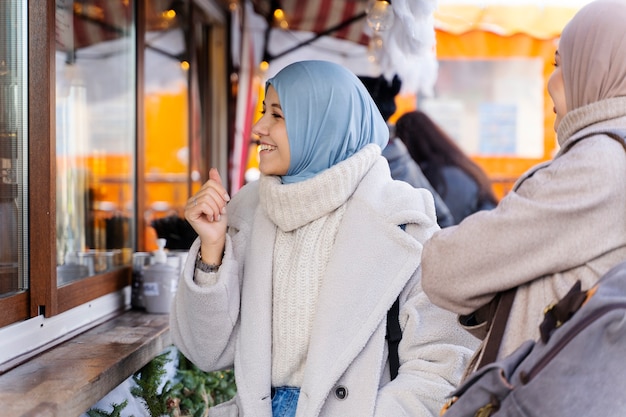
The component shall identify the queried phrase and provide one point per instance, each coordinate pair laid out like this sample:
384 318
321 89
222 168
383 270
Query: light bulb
379 15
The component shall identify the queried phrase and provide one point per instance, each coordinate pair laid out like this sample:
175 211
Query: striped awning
86 23
320 16
80 24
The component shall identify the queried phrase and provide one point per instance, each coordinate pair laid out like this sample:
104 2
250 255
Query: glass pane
13 152
95 136
167 124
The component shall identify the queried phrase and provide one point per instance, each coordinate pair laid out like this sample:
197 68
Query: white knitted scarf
307 215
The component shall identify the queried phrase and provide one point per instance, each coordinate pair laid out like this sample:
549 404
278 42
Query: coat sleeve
204 317
434 352
568 212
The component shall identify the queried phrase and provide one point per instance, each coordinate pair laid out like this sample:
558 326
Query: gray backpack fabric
578 368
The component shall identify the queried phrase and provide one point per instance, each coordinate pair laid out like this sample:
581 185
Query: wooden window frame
43 296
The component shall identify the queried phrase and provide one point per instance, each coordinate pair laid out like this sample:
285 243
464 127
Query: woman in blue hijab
327 122
290 281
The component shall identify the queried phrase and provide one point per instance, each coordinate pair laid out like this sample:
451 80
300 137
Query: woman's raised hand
206 213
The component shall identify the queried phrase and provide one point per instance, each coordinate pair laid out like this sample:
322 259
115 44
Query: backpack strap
394 333
496 328
618 135
558 313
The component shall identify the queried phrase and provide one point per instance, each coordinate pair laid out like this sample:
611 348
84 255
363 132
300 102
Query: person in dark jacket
463 185
402 166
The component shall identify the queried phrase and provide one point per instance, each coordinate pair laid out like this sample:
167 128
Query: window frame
44 297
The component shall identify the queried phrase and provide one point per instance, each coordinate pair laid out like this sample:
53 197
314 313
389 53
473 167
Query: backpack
577 368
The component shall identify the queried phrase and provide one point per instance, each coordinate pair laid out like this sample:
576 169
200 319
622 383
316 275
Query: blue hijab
329 115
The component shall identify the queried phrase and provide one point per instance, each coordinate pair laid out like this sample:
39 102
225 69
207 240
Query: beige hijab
593 53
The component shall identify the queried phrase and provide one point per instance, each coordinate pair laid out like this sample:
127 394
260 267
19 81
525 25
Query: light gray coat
563 221
373 262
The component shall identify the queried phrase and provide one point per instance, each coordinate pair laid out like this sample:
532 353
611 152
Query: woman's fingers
210 202
215 182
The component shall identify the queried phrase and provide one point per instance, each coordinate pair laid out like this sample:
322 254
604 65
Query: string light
280 19
169 14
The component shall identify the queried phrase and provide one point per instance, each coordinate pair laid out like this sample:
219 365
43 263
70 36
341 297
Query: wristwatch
204 267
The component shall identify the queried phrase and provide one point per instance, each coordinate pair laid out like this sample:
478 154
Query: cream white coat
373 262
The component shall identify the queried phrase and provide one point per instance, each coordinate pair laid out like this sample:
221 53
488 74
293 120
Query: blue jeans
285 401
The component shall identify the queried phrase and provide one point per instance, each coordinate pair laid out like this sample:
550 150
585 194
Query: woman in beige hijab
564 220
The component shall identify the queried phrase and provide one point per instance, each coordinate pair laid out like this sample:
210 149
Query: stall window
491 107
67 154
95 137
167 123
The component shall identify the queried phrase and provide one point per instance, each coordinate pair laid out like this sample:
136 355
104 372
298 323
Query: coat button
341 392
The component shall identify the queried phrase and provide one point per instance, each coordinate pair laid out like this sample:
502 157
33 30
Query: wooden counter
68 379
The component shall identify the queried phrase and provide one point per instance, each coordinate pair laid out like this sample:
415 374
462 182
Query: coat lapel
254 348
351 304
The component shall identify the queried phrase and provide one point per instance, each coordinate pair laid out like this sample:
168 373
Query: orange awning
541 22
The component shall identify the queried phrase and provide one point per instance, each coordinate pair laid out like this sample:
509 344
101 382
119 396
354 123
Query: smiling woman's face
274 154
557 91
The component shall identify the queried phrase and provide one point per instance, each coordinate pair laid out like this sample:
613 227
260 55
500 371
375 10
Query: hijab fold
329 115
593 53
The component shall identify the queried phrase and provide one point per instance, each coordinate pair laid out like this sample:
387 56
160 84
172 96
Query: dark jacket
404 168
461 194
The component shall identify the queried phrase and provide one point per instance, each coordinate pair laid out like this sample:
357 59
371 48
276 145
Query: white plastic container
160 281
